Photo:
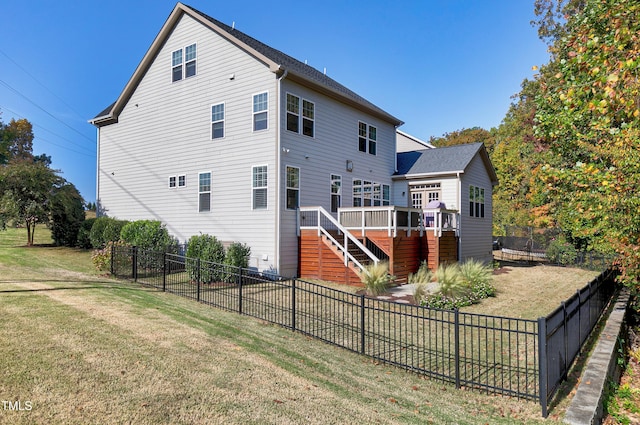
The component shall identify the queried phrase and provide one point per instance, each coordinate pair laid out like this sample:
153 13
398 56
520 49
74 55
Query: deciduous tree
588 119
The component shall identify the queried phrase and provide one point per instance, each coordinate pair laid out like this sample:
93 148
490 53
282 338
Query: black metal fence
515 357
564 332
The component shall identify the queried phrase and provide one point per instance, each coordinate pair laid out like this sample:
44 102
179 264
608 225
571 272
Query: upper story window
293 188
182 181
172 182
476 201
294 117
217 121
183 63
259 187
260 114
367 138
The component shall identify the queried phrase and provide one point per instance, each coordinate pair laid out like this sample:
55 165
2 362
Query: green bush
84 234
376 278
67 215
206 248
561 252
461 285
238 255
105 229
148 235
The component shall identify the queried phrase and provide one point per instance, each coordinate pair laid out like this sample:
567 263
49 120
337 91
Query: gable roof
445 160
278 62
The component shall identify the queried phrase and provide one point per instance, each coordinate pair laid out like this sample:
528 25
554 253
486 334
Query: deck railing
393 218
317 218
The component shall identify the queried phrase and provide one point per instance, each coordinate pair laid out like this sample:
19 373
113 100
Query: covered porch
337 247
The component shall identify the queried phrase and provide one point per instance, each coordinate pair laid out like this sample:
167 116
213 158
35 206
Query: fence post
565 330
134 264
164 272
362 324
293 304
199 275
113 254
456 330
542 364
239 290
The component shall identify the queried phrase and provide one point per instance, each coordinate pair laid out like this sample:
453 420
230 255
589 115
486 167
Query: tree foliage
552 15
16 141
588 121
67 215
463 136
25 194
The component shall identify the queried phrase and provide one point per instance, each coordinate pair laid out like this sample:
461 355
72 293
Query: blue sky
438 65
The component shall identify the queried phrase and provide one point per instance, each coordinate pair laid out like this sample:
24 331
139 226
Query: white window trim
223 120
286 111
253 207
253 113
183 62
287 187
300 115
210 192
175 181
185 180
332 194
367 138
482 208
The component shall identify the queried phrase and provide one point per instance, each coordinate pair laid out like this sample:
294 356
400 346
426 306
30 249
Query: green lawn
81 348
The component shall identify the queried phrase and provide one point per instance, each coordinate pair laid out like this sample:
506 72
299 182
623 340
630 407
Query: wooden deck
320 260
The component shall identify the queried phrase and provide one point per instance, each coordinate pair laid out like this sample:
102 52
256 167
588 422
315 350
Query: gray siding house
462 178
217 133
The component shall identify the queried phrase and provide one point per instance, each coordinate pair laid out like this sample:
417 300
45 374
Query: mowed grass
82 348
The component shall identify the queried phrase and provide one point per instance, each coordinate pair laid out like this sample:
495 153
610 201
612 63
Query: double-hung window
183 63
367 138
293 113
259 187
336 192
204 192
476 201
294 116
293 188
260 114
217 121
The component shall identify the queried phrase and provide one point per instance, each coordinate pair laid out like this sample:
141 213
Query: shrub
84 234
67 215
376 278
149 235
206 248
561 252
105 229
238 255
101 258
461 285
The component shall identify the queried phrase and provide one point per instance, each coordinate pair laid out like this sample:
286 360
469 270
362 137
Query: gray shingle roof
444 160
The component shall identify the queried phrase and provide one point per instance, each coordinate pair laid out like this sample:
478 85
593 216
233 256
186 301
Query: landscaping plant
376 278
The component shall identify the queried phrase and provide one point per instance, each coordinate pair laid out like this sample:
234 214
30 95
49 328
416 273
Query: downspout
459 217
98 206
278 153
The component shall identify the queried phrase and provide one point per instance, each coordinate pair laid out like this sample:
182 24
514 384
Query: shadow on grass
82 285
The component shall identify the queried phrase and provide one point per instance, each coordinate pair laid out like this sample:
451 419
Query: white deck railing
317 218
393 218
